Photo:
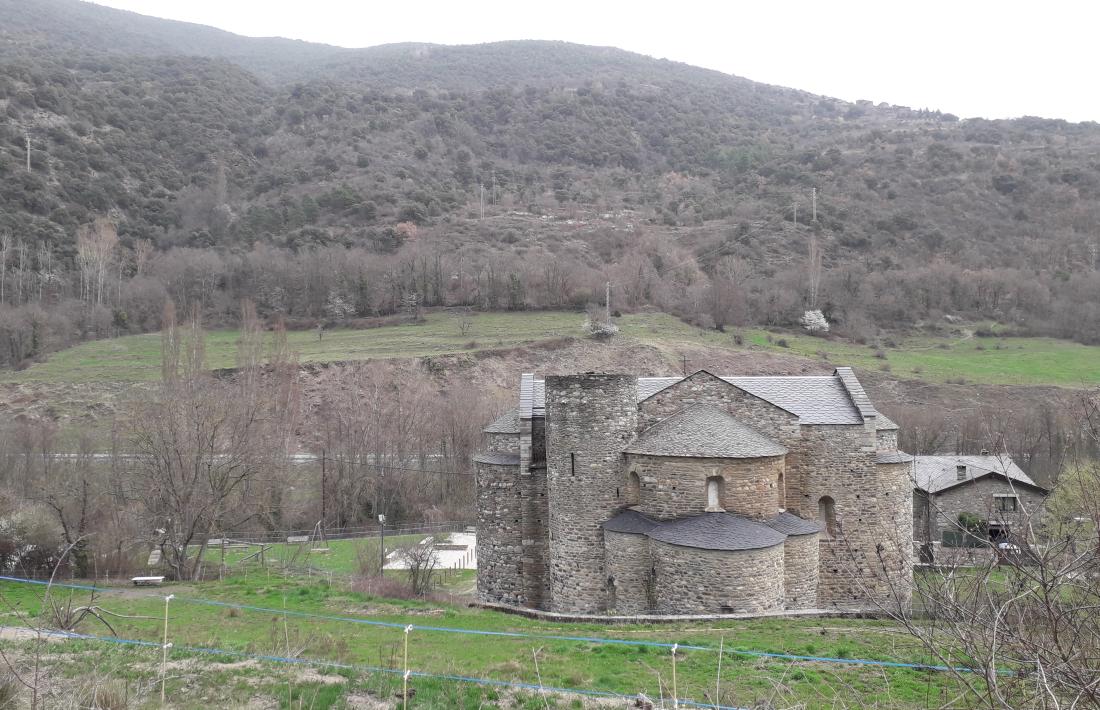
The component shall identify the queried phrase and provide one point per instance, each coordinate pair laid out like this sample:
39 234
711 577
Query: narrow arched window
782 493
715 489
633 489
826 515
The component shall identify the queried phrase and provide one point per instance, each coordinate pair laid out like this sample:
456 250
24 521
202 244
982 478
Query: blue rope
373 669
540 637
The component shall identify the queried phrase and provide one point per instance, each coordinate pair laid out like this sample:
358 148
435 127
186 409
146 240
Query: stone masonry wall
887 439
502 443
873 505
979 497
763 416
499 529
801 562
694 581
628 565
534 542
673 487
589 420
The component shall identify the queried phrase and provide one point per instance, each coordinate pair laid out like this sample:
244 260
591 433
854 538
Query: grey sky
968 57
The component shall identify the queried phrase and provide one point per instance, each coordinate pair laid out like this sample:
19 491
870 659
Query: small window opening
826 515
715 489
633 489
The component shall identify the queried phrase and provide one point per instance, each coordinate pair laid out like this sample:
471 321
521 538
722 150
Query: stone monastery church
614 494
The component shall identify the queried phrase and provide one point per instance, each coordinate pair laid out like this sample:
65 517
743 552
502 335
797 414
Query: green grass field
263 629
989 360
986 360
136 358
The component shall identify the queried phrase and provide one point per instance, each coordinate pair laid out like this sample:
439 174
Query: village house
693 495
963 503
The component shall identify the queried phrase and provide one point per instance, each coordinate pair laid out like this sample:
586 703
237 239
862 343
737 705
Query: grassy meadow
201 680
987 360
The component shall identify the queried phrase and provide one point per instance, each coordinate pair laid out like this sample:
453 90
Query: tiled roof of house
630 521
791 524
717 531
704 430
497 459
940 472
507 423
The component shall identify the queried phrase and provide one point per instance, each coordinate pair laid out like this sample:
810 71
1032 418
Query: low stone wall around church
689 580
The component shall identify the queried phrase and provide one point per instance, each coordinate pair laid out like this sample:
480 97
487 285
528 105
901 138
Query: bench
297 539
147 581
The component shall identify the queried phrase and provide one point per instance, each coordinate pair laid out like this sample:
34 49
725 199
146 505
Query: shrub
782 342
880 354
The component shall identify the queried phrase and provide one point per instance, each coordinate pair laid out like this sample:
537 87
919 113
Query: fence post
405 675
675 693
164 650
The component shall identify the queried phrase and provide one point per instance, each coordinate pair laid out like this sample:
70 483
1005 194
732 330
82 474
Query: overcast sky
968 57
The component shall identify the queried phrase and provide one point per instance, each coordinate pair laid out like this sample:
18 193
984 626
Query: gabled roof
717 531
814 399
938 473
507 423
704 430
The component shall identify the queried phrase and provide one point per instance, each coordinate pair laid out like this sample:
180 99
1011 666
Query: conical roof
705 431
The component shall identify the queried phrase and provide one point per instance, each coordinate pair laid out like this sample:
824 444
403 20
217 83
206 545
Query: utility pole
27 140
481 189
323 491
796 214
684 359
813 197
607 303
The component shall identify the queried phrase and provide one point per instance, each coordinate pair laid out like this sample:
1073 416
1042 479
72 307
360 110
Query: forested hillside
172 161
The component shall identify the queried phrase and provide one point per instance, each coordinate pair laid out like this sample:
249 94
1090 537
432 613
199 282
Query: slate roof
893 457
791 524
630 521
884 423
497 459
717 531
814 399
938 473
507 423
704 430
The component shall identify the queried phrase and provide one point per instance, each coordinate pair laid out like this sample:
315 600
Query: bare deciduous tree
200 442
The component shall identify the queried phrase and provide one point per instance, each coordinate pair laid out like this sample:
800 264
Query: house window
1008 504
715 489
826 515
633 489
960 473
